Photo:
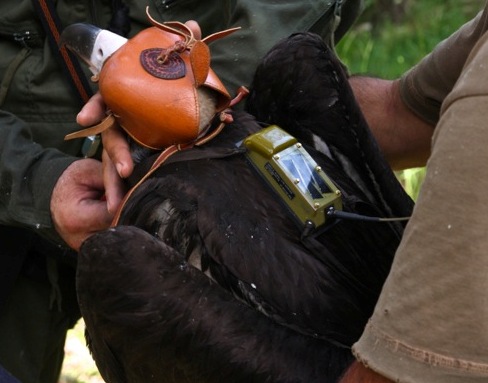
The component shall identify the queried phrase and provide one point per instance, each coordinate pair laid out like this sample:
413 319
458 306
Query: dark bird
211 277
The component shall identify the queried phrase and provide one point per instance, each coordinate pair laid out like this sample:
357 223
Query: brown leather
150 85
158 112
106 123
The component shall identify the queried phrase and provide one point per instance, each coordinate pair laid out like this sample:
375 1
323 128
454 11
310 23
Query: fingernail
120 167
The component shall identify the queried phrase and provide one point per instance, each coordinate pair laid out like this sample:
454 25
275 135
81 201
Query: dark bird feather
210 279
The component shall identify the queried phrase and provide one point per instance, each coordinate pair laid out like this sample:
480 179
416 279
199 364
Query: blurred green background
389 38
392 35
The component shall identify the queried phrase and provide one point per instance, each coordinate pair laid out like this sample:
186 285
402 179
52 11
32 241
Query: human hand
88 193
117 162
77 207
195 28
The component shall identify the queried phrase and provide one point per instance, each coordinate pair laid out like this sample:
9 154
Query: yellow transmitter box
290 170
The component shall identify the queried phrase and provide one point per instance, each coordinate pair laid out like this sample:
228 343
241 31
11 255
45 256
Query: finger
114 186
95 218
92 112
118 150
195 28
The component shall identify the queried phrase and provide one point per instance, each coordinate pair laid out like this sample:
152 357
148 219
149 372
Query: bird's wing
168 322
225 219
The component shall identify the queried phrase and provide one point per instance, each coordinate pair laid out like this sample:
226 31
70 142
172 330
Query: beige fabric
427 84
431 322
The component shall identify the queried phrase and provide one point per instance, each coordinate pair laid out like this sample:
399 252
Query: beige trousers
431 322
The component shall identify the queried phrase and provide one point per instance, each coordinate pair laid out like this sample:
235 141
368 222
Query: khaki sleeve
430 324
426 85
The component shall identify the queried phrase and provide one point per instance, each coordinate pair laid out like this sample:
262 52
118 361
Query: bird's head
158 84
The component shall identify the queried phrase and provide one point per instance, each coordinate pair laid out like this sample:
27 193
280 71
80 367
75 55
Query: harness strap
165 154
224 117
52 26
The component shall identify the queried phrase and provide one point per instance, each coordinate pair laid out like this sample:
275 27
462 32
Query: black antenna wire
331 212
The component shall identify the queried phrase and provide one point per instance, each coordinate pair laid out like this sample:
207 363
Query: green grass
388 50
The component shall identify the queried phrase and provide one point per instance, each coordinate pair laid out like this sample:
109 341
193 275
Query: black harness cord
331 212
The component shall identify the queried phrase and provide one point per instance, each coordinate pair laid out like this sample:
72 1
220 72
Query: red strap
70 64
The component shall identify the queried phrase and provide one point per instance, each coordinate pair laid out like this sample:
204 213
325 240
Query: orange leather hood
156 101
152 83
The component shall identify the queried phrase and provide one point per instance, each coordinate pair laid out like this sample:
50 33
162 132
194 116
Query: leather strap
53 27
106 123
224 117
165 154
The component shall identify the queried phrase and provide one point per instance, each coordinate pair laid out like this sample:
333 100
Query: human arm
358 373
27 171
60 196
403 136
441 261
393 342
403 113
48 191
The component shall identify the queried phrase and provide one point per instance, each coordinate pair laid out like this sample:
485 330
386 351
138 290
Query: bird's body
209 278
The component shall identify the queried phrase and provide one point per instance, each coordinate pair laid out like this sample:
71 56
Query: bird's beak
91 44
